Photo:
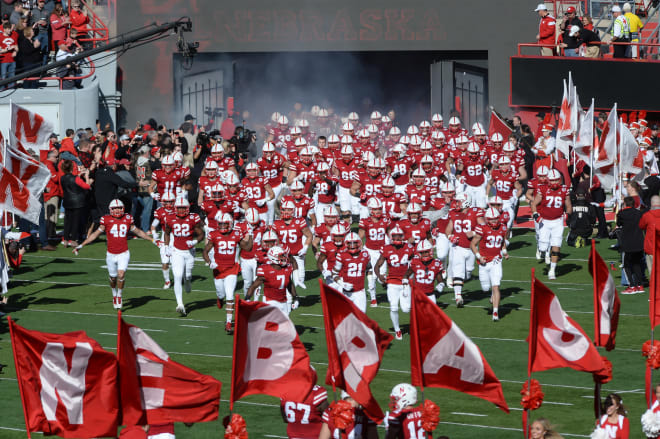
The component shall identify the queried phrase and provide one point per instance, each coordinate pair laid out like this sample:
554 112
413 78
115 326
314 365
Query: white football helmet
277 255
403 395
225 222
116 208
252 216
496 137
437 117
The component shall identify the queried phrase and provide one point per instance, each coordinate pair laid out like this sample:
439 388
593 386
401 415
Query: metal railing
97 31
89 65
603 43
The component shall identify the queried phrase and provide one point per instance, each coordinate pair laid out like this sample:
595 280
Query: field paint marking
468 414
8 379
194 326
108 333
17 429
557 403
313 315
96 285
154 330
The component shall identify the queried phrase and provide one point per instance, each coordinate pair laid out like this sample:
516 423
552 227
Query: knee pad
121 279
457 281
112 279
554 253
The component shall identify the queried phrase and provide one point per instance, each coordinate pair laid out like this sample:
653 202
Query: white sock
114 292
371 282
394 315
178 293
119 290
494 310
553 265
166 275
457 290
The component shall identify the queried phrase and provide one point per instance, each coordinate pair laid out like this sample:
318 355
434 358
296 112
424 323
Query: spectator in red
110 146
59 24
79 21
588 22
52 196
648 223
547 29
8 51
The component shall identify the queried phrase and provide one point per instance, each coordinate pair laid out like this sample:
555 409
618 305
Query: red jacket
648 222
79 21
58 27
53 188
547 28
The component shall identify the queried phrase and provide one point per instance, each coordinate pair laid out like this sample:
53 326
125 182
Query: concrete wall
322 25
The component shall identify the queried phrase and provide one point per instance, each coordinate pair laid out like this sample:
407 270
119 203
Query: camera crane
138 37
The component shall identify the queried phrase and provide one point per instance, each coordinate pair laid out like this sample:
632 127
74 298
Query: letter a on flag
68 383
441 355
606 301
157 390
269 358
556 340
356 345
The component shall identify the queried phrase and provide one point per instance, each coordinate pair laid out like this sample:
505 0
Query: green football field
57 292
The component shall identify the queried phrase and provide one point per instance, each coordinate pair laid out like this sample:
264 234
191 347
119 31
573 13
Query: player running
160 216
184 230
489 247
295 234
276 279
351 267
116 227
397 256
426 270
374 228
303 418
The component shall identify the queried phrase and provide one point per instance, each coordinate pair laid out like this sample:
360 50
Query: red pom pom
430 415
532 397
236 429
342 414
652 353
605 376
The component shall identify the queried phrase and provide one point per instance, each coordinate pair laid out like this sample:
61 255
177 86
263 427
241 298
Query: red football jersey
440 226
161 215
492 241
303 418
348 172
224 163
322 231
504 183
463 222
276 281
408 422
441 156
552 202
369 186
169 182
375 231
433 178
303 205
116 232
391 203
421 196
473 170
493 153
211 209
326 191
330 250
418 231
235 201
225 248
254 190
182 229
402 167
291 234
535 184
304 173
205 185
398 261
272 170
353 268
424 275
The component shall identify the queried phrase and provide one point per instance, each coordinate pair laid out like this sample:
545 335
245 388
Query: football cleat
547 258
496 317
181 310
220 302
118 302
398 335
551 274
459 301
187 285
229 328
374 303
167 284
114 302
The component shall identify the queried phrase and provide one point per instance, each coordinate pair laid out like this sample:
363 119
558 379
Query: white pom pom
651 423
599 433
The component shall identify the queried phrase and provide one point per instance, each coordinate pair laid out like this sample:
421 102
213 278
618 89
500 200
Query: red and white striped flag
585 136
606 301
606 153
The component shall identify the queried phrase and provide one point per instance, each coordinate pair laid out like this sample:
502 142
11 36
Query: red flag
356 345
269 358
441 355
33 175
565 127
561 165
30 128
157 390
606 301
654 290
556 340
498 125
608 141
68 383
16 198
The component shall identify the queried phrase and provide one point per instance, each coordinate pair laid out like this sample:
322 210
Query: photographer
201 152
243 146
68 70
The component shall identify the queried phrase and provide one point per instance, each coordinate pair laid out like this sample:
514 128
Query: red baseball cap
547 127
570 10
154 150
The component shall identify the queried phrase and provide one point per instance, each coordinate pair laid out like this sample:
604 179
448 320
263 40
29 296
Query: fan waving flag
606 301
498 125
157 390
556 340
30 128
356 345
441 355
68 383
269 358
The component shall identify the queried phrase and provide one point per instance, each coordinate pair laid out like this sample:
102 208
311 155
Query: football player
304 204
351 267
374 228
224 161
394 204
324 190
276 279
368 185
303 418
426 270
160 215
537 183
183 230
489 247
207 181
328 253
346 170
414 226
295 234
257 190
322 232
212 205
472 169
226 242
505 181
273 166
167 179
404 420
236 198
303 170
548 209
399 166
252 225
397 256
116 227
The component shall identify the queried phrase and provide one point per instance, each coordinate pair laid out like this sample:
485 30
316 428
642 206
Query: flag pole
415 327
326 316
12 337
237 301
530 354
652 287
596 323
591 150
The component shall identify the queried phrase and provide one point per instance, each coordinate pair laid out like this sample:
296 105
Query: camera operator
242 147
68 70
202 151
